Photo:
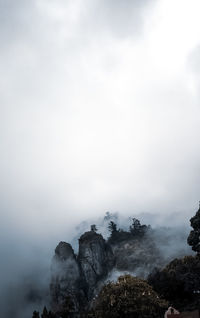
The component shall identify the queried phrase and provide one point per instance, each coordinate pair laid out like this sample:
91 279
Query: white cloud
97 115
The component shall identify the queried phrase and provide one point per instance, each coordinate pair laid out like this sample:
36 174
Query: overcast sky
99 110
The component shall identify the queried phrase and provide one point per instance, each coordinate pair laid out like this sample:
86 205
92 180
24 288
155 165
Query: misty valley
135 272
99 111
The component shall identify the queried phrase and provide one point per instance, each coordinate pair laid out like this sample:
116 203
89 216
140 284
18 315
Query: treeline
177 284
136 230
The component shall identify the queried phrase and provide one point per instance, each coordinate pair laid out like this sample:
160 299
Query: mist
26 264
99 111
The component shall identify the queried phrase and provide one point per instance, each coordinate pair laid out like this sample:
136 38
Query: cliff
66 278
96 259
78 281
78 276
81 276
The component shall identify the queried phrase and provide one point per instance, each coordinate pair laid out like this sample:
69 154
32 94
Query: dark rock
96 259
66 279
78 277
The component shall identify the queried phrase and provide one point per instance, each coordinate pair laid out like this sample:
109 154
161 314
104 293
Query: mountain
82 276
79 280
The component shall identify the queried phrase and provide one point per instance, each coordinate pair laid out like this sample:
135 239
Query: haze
99 112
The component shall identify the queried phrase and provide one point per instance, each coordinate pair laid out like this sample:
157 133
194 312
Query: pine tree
194 237
112 227
45 313
66 308
137 229
93 228
36 314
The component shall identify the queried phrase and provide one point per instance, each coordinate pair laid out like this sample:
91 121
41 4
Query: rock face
78 277
81 277
66 277
95 258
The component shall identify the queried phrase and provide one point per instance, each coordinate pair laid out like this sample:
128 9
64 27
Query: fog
99 111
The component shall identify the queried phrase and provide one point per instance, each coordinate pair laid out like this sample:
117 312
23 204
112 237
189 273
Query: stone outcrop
66 277
95 258
78 276
81 276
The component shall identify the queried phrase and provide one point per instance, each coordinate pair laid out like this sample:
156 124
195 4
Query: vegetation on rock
128 297
136 230
177 283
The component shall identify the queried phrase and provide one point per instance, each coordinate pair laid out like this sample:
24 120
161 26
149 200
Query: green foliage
194 237
128 297
179 282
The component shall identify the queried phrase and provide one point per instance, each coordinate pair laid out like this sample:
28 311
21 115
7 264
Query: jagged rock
80 277
66 279
77 280
96 259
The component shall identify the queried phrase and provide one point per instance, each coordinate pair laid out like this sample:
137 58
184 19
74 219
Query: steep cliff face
66 277
78 277
95 258
82 276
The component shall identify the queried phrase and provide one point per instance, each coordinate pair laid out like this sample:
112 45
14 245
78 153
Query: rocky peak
95 258
65 277
90 236
81 276
64 251
78 276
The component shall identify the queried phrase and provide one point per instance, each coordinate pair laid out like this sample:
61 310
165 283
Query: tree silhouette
36 314
93 228
194 236
137 229
45 313
112 226
67 308
179 282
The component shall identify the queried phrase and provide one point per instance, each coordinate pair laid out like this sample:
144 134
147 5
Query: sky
99 111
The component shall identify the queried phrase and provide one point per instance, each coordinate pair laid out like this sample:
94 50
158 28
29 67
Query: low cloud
99 111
